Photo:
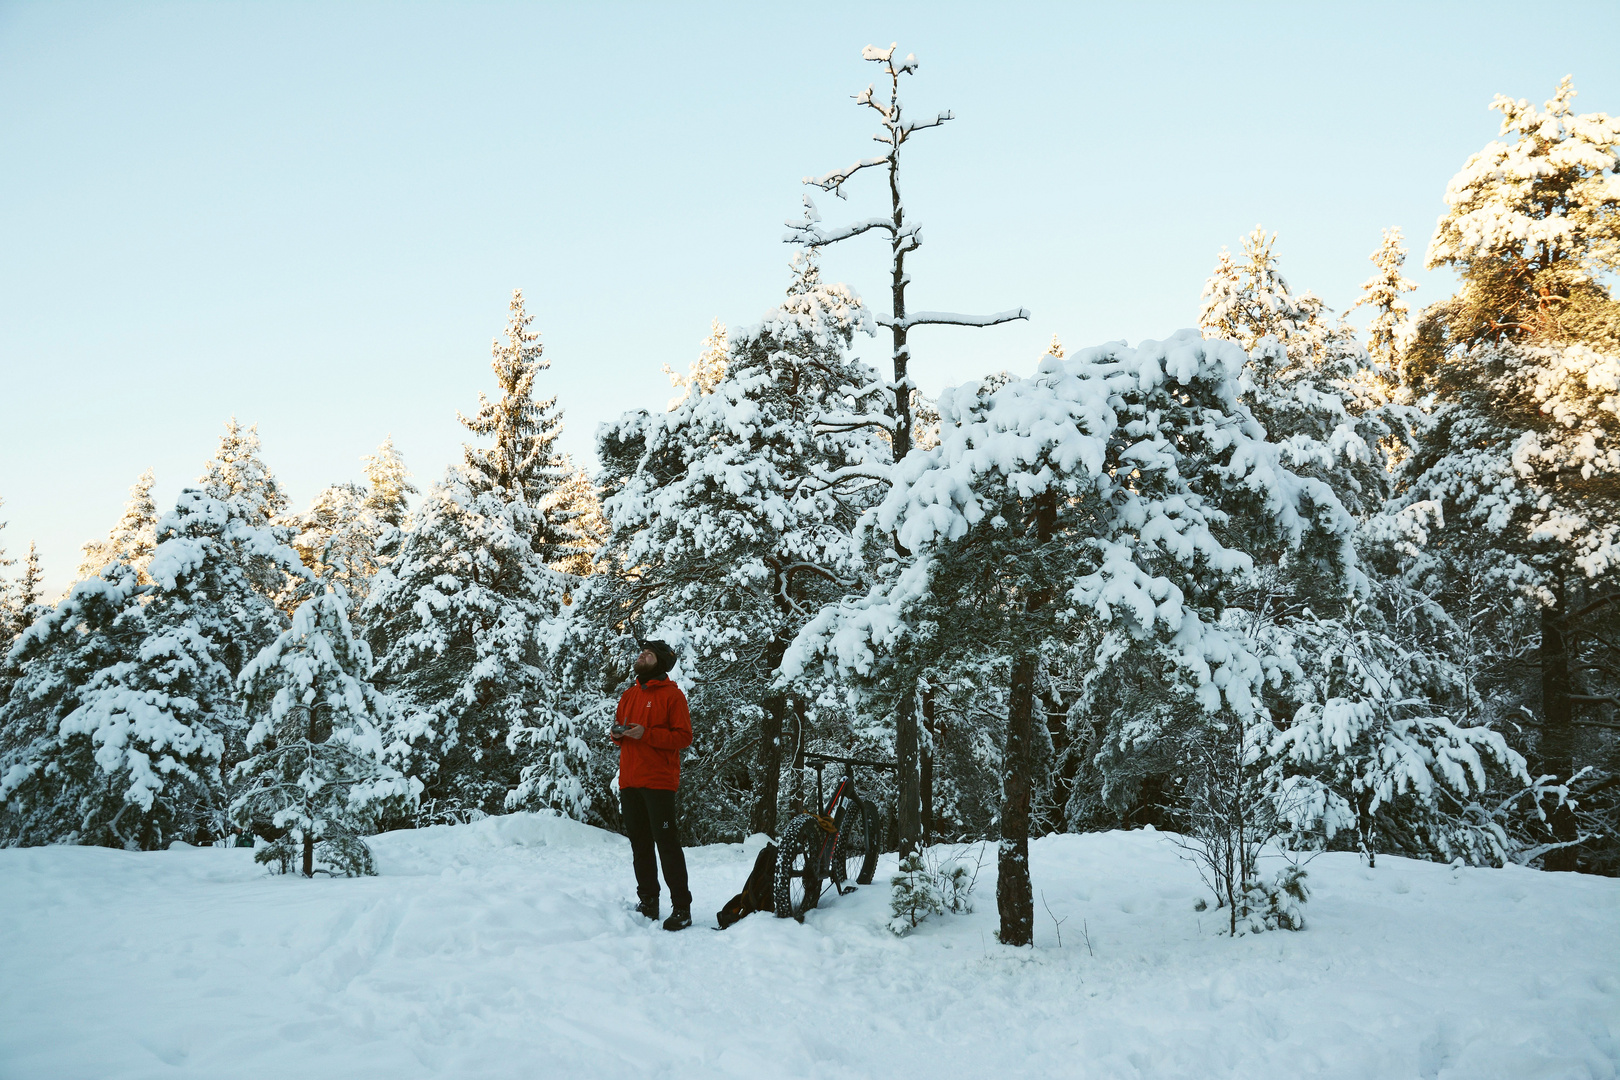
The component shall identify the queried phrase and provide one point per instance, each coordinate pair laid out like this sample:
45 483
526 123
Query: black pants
649 822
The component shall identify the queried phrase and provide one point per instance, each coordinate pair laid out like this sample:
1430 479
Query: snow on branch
851 472
835 180
949 318
811 234
852 421
919 125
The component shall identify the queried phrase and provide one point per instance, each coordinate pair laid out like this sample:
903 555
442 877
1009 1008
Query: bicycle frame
845 795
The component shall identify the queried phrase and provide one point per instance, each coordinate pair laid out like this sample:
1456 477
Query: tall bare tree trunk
768 771
905 752
1015 897
928 764
1557 728
768 763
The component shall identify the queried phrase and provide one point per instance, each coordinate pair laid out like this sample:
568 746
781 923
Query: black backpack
756 894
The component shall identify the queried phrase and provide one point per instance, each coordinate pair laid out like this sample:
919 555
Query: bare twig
1057 923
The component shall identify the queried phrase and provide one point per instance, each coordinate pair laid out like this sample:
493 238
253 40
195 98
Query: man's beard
646 671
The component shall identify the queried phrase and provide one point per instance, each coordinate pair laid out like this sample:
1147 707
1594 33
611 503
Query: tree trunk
905 752
1015 897
309 853
1557 732
927 787
768 774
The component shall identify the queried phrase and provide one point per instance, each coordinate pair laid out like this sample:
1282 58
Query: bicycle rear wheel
798 868
855 857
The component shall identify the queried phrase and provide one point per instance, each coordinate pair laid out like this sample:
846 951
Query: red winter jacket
654 760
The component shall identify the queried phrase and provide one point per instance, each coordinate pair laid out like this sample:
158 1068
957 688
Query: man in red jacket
652 727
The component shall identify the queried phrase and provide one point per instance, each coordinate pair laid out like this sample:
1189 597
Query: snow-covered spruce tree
132 539
138 749
314 783
238 476
455 618
1114 497
1514 471
577 502
22 601
388 483
1312 385
1391 323
895 131
521 459
1379 742
51 790
5 596
337 538
344 533
734 524
707 370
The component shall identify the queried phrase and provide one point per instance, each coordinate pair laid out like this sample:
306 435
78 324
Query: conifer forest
1360 589
1279 602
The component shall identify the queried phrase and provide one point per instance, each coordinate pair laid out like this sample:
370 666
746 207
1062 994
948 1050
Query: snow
506 948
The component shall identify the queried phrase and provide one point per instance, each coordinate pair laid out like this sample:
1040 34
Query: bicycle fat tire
854 854
874 829
798 868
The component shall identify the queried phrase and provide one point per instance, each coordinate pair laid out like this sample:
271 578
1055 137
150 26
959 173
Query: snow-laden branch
813 568
949 318
919 125
851 472
812 235
835 180
852 421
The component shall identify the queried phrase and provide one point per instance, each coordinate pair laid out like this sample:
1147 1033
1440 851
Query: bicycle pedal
845 890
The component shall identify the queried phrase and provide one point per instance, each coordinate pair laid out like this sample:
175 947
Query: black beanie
665 654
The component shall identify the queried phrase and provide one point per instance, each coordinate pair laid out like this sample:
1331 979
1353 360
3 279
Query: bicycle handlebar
812 755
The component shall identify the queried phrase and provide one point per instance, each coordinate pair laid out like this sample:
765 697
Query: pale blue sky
312 215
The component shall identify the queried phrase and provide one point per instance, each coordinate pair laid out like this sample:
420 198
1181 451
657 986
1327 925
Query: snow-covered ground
507 949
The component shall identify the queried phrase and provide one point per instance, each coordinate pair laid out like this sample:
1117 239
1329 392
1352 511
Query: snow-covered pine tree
456 618
577 502
25 596
1119 497
1377 733
707 370
895 130
345 532
734 524
132 539
6 619
135 757
1312 384
389 482
237 474
315 783
1391 323
337 537
521 460
51 789
1513 474
1532 228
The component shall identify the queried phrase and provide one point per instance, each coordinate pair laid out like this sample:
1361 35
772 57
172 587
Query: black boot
679 919
648 909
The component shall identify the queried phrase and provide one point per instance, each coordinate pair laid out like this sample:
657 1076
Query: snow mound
420 851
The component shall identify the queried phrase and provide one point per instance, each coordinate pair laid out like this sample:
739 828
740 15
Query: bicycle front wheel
798 868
